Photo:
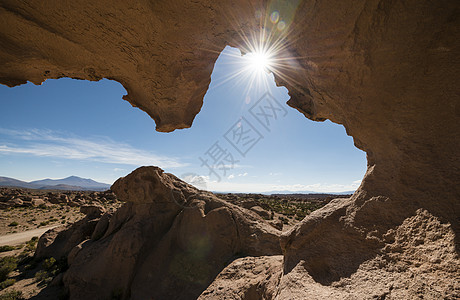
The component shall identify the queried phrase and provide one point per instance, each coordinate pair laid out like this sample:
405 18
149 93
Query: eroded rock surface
385 70
248 278
169 241
417 259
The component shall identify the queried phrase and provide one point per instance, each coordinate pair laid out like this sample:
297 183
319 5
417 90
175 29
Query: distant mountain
65 187
6 181
73 181
69 183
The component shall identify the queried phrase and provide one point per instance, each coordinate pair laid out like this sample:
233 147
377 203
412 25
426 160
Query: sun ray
263 50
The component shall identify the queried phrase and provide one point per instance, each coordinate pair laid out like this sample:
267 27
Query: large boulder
169 241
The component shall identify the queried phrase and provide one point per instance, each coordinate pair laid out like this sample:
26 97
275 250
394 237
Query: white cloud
243 174
46 143
196 180
231 176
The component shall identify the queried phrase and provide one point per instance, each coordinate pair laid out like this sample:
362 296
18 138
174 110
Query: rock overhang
390 81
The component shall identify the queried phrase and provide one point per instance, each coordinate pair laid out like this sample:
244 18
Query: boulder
37 202
92 211
57 198
326 258
261 212
47 242
170 240
15 202
249 203
76 203
26 198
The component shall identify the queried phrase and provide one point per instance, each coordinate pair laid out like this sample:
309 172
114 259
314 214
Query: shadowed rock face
59 241
387 70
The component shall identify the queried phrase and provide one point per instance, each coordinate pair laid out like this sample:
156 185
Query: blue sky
251 140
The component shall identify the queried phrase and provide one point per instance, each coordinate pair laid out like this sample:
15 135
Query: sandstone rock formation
387 70
325 258
169 241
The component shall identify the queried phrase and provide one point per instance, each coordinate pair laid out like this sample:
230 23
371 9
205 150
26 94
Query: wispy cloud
231 176
46 143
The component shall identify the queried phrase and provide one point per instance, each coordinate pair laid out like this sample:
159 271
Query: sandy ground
19 219
22 237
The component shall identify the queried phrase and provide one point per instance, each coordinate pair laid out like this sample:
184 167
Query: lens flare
274 17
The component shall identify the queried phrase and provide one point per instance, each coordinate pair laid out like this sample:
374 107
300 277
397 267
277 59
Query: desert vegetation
21 274
26 209
285 208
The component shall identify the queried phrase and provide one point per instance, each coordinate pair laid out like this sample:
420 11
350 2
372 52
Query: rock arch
386 70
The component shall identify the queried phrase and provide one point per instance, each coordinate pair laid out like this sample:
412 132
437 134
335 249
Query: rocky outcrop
169 241
387 70
388 76
59 241
417 259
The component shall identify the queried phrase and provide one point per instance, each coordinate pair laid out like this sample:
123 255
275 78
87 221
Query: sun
264 52
258 61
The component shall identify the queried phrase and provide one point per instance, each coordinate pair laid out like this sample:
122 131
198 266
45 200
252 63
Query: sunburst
258 62
265 51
